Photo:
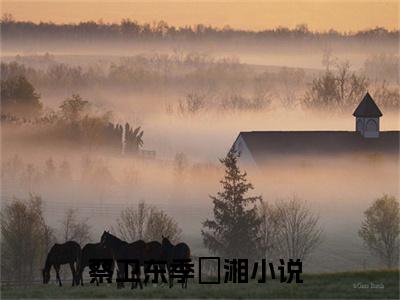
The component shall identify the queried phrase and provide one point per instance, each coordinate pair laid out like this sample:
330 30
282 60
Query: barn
256 148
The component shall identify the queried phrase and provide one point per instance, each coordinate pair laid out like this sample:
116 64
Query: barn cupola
367 116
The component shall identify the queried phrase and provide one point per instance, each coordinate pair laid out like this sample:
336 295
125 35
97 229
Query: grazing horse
153 252
92 251
122 250
172 252
60 254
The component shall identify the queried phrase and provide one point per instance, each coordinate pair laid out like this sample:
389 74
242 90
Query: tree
131 223
73 229
380 229
73 108
233 232
147 223
338 89
298 231
268 230
180 165
26 238
18 97
65 171
50 169
133 139
160 224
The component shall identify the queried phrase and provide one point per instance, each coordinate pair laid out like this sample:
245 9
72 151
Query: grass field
355 285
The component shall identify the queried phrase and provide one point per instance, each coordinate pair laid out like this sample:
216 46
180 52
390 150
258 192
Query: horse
92 251
153 252
60 254
122 250
172 252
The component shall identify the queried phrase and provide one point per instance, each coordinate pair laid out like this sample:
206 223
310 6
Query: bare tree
160 224
146 223
132 221
74 229
25 239
180 165
50 169
298 230
380 229
339 89
268 230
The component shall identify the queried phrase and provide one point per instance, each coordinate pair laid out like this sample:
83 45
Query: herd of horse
113 249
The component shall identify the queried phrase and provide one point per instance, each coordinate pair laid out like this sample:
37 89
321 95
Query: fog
339 189
236 89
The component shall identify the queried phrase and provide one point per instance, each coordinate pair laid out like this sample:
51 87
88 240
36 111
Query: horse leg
133 285
57 268
170 278
138 277
120 275
81 275
71 265
145 275
184 284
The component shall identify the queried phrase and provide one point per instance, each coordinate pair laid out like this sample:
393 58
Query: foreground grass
356 285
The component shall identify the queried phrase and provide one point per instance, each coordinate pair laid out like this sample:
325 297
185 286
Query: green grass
327 285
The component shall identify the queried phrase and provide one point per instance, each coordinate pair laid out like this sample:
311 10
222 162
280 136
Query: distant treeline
205 82
131 29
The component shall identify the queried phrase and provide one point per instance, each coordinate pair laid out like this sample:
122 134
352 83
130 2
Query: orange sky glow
320 15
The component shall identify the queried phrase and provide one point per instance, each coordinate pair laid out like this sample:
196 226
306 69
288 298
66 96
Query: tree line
72 123
218 84
131 29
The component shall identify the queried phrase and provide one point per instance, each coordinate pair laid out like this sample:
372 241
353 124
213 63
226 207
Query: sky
319 15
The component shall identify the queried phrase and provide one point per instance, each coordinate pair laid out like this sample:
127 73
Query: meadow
382 284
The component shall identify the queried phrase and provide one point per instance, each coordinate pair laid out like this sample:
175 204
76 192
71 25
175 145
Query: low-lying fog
339 189
99 185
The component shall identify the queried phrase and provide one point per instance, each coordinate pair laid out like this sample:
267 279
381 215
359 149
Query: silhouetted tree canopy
73 108
130 29
18 97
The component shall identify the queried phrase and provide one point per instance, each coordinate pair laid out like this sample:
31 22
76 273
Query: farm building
256 148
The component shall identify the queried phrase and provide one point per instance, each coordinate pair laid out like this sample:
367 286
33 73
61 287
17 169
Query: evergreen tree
234 230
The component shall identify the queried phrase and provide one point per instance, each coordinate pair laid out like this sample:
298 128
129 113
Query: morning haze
101 116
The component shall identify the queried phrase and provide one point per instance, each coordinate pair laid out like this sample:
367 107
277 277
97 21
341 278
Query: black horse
153 253
92 251
60 254
122 250
172 252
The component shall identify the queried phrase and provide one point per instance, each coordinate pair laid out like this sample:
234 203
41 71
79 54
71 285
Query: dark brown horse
153 252
172 252
122 250
92 251
61 254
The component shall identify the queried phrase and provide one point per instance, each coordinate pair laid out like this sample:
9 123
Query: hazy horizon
253 15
